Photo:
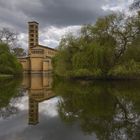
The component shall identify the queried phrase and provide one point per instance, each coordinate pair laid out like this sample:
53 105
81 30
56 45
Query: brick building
39 59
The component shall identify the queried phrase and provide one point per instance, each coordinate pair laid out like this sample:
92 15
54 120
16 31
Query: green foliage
8 89
131 69
108 48
8 62
133 51
96 73
97 106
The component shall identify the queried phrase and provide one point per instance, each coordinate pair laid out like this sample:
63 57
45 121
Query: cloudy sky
55 17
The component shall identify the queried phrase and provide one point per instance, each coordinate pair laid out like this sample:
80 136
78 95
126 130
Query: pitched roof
47 47
33 22
23 57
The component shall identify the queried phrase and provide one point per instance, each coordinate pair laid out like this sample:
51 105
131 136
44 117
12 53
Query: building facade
39 59
39 89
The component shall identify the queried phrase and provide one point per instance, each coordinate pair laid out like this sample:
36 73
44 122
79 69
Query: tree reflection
9 89
109 109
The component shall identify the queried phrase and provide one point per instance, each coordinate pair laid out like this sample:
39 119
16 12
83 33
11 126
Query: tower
33 33
33 111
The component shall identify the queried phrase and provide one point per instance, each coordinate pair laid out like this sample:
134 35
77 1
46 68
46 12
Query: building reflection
39 89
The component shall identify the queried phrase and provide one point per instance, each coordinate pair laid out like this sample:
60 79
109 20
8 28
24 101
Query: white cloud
49 36
23 41
20 102
118 5
49 107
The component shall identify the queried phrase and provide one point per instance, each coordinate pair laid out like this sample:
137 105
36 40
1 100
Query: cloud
54 14
118 5
50 12
23 41
51 36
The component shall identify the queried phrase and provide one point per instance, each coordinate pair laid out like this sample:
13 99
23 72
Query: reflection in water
111 110
9 89
93 110
39 89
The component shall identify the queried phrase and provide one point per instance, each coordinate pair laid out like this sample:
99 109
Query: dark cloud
59 13
16 13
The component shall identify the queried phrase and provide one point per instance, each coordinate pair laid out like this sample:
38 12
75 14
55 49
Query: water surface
46 108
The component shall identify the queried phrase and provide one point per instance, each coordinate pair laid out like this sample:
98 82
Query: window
31 26
31 44
37 51
31 39
32 35
31 31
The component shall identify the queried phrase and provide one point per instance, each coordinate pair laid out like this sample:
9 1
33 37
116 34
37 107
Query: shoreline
6 76
88 78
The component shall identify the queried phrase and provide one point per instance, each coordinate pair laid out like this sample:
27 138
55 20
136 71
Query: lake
46 108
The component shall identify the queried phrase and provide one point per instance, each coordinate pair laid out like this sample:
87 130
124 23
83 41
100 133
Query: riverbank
105 78
6 76
99 78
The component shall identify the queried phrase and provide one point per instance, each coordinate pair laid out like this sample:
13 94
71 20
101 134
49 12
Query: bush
97 73
129 69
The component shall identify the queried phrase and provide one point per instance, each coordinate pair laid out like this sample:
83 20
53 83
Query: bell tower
33 111
32 34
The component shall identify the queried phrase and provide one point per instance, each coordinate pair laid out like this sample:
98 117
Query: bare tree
19 52
7 36
11 38
125 31
135 5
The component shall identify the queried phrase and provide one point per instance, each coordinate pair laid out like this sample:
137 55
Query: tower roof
33 22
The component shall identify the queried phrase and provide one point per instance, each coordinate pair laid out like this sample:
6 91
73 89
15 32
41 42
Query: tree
116 26
7 36
135 5
19 52
100 47
8 62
